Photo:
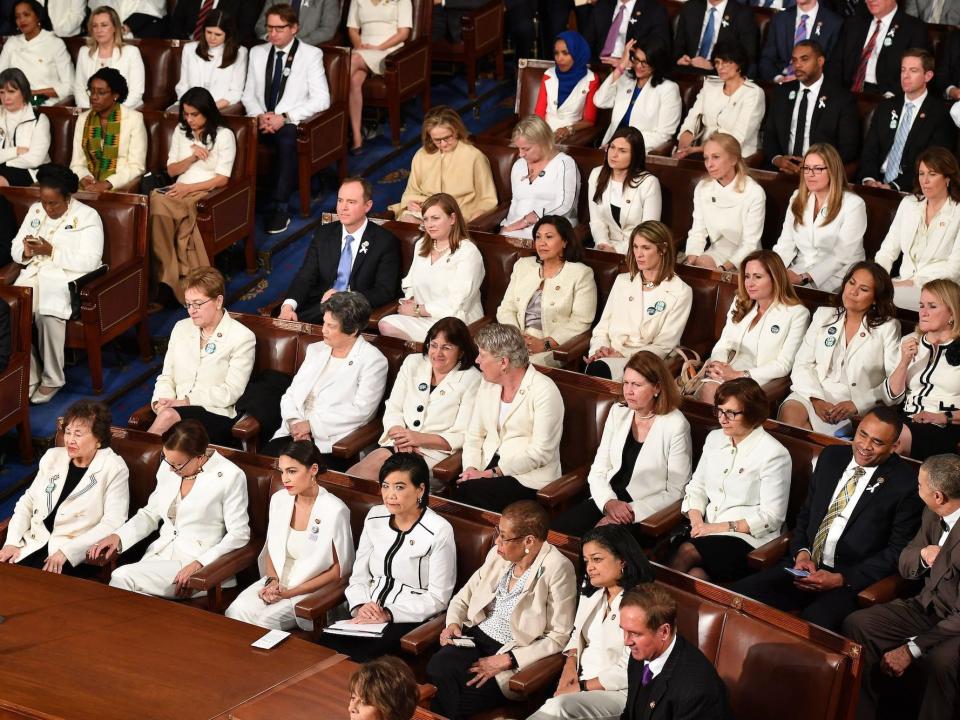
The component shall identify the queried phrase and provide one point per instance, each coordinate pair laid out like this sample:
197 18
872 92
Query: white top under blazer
223 83
926 253
637 204
730 219
553 192
571 111
656 112
739 114
126 60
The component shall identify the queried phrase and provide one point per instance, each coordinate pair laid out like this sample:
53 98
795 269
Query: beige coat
543 617
132 155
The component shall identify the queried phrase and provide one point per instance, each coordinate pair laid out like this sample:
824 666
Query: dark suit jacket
8 231
375 275
5 337
931 126
837 122
948 65
649 18
779 48
447 17
184 17
908 32
688 688
880 525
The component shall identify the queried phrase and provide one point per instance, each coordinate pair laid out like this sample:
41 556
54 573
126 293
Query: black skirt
930 439
218 427
724 556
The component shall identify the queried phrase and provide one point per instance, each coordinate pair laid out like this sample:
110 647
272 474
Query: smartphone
164 190
797 573
463 642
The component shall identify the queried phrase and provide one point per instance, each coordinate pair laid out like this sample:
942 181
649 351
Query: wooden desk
77 650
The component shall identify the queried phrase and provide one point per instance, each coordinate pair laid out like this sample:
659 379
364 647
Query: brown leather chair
481 32
15 377
406 71
116 301
502 156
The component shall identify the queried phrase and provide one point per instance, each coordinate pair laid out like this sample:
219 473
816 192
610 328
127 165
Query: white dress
376 22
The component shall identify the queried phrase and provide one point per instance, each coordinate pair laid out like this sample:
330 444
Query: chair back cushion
502 157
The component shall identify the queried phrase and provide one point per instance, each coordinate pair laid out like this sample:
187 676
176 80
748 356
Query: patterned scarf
101 146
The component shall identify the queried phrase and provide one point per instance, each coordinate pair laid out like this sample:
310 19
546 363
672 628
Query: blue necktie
625 120
296 6
899 142
707 41
275 83
345 266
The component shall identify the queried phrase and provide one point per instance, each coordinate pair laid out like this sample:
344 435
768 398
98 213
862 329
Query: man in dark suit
638 19
701 24
904 126
807 21
794 122
947 79
667 677
186 13
872 45
922 631
447 15
352 254
861 510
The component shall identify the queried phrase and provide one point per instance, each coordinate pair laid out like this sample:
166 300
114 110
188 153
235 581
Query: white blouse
553 192
222 83
732 221
571 111
126 60
656 112
44 60
24 128
223 152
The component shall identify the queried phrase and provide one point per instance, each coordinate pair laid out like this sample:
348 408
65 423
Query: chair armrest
664 150
537 675
410 64
350 445
568 354
232 202
776 391
314 606
132 187
564 489
890 588
755 160
425 637
141 418
109 560
449 468
225 567
660 523
768 554
585 137
490 220
9 273
234 109
246 428
379 313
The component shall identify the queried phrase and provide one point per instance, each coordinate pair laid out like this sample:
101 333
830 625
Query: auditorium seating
15 377
481 33
116 301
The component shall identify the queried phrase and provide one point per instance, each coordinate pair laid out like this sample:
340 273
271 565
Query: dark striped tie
202 18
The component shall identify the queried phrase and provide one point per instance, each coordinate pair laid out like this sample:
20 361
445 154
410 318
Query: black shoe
277 222
357 151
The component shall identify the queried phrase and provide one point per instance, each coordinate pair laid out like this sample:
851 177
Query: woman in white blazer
552 297
431 402
340 384
728 103
60 240
208 362
40 54
512 447
24 132
847 355
765 326
217 62
565 100
822 235
593 683
737 498
729 208
66 16
105 48
80 492
200 508
406 564
643 462
309 544
925 233
640 94
517 608
445 275
103 166
621 193
647 308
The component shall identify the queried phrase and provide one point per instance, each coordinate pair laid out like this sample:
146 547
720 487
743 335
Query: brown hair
730 145
783 291
457 333
362 181
925 57
882 308
284 12
573 251
657 604
756 406
658 234
442 116
208 280
117 28
388 684
458 233
838 185
655 371
947 292
528 517
94 412
942 161
187 436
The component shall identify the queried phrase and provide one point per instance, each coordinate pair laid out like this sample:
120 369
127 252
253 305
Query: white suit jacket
214 380
445 412
872 355
781 332
95 509
614 654
345 401
67 16
528 441
222 83
568 304
638 204
451 286
306 92
132 154
571 111
128 62
937 257
45 61
656 113
826 252
663 465
211 520
731 220
739 115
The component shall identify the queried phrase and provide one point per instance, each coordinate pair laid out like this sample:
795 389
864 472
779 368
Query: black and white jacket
933 384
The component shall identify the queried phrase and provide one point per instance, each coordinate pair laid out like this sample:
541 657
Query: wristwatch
732 525
949 415
547 344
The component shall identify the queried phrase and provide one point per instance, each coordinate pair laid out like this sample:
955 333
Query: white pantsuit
126 60
656 112
739 114
729 218
553 192
132 152
637 204
45 61
223 83
209 522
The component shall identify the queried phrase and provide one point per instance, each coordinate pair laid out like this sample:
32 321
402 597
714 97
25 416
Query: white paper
271 639
348 627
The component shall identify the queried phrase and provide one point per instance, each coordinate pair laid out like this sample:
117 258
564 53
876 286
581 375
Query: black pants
218 427
283 143
363 649
577 520
38 557
449 670
492 493
16 177
146 26
774 586
518 23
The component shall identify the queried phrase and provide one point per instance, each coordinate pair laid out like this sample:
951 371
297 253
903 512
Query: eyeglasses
730 415
195 305
176 468
637 61
277 28
443 348
814 169
444 140
499 538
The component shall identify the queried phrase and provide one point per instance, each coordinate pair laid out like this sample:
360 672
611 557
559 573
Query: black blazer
375 274
649 18
931 126
740 27
688 688
779 47
881 524
948 66
835 121
907 32
5 337
184 17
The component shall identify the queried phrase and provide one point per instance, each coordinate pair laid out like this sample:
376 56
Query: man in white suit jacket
286 84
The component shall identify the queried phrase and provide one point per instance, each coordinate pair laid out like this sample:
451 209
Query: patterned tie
899 142
706 43
835 510
799 35
647 675
346 264
610 44
275 83
936 11
861 75
202 18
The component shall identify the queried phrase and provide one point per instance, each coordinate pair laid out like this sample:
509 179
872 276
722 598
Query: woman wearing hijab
566 94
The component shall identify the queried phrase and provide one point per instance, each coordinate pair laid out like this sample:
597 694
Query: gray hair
351 309
943 474
504 341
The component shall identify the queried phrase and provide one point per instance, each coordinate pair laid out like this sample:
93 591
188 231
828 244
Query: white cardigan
571 111
825 251
731 220
26 128
132 154
663 465
739 114
222 83
638 204
126 60
656 113
44 60
938 256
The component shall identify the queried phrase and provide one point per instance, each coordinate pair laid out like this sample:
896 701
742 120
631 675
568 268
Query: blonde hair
730 145
534 129
117 28
458 233
783 291
442 116
947 292
659 235
838 185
